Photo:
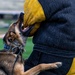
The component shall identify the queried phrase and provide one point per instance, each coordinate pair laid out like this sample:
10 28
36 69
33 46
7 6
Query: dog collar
6 47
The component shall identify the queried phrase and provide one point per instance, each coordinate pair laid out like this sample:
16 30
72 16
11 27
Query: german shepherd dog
12 63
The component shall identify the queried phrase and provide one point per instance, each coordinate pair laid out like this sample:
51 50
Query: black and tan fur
7 59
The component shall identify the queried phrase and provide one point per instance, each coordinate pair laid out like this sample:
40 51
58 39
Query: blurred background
9 12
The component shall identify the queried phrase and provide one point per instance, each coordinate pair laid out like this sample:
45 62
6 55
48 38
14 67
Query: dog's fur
7 59
7 65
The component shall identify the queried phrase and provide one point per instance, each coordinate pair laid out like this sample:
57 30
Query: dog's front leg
19 69
37 69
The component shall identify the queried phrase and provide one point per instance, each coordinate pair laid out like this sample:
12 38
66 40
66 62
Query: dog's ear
21 17
20 21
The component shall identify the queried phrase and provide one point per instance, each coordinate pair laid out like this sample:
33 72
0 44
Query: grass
28 47
1 44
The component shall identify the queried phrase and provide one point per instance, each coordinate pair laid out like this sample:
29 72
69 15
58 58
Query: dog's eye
10 40
20 33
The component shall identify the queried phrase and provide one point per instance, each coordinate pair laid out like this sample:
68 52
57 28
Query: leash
20 52
8 48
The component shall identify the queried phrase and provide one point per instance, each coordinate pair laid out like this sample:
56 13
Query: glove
33 14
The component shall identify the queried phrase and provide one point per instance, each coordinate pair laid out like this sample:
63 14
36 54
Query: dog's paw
54 65
58 64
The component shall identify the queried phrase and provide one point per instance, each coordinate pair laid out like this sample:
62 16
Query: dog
7 66
13 64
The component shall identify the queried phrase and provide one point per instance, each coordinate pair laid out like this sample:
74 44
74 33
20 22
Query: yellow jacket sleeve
33 14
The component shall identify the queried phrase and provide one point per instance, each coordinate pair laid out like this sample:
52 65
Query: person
53 34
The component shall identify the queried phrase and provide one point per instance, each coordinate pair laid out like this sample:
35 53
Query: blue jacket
57 33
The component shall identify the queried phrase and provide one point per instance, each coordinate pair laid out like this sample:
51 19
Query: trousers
37 57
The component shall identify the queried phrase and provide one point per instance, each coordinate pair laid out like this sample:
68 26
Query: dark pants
38 57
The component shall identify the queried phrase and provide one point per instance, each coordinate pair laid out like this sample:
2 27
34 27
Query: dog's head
16 35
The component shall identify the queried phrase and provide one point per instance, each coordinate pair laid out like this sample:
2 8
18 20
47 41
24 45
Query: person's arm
33 12
36 11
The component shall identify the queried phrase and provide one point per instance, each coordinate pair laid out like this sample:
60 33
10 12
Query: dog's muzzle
22 34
